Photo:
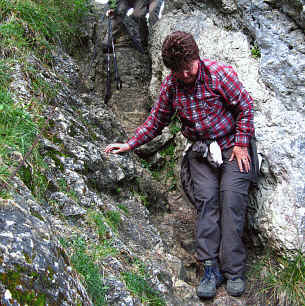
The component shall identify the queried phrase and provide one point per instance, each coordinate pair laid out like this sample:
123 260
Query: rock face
34 268
275 81
92 204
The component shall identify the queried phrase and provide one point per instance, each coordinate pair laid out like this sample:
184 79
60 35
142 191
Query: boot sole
206 296
235 294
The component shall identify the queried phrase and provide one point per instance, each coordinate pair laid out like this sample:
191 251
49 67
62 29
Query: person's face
188 74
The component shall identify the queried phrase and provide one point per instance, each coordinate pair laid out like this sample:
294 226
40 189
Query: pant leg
206 193
140 8
119 14
234 187
154 10
139 14
116 20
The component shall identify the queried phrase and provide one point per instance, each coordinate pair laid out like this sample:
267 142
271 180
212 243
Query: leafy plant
175 127
112 4
256 52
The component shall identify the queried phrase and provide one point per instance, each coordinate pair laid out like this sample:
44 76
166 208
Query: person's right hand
117 148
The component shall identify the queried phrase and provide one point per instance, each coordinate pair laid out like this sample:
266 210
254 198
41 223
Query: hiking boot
218 275
212 278
236 286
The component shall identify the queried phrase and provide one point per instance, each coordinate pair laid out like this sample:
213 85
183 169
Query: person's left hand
242 156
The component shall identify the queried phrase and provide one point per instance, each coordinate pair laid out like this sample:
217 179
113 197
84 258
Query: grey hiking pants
141 7
221 197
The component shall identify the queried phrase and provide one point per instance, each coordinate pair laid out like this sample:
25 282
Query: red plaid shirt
218 107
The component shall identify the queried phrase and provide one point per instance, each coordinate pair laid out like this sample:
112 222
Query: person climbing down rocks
216 113
118 11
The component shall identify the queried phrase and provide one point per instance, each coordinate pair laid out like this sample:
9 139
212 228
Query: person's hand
110 12
242 156
117 148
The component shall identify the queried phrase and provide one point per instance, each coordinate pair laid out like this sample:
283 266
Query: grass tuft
91 273
138 283
280 280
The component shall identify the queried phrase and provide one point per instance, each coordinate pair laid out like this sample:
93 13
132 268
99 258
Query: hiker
141 8
216 112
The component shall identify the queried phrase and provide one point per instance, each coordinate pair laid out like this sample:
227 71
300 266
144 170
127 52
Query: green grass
39 24
113 219
31 27
137 282
33 175
99 221
110 217
280 280
17 133
90 271
105 249
124 209
85 258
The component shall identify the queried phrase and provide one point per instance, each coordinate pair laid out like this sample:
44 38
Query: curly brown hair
178 50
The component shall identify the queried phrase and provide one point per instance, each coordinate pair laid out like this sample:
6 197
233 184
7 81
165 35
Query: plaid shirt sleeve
240 101
160 116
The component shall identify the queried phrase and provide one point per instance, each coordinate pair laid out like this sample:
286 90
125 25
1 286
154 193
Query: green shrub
175 126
